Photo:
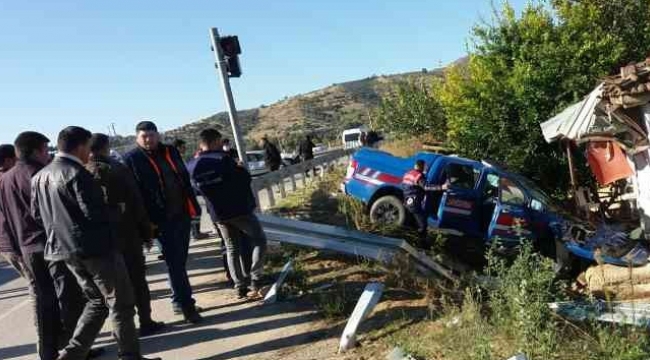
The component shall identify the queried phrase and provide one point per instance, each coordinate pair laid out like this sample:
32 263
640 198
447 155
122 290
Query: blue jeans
175 241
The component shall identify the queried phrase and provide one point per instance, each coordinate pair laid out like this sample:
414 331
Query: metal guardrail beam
278 176
346 241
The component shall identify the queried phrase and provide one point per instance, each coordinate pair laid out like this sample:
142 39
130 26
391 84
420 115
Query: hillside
323 113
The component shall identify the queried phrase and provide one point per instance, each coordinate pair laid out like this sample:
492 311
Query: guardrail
297 172
351 242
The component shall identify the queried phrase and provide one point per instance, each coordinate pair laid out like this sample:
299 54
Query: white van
352 137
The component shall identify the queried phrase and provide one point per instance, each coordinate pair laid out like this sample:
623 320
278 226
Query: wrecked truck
487 203
483 202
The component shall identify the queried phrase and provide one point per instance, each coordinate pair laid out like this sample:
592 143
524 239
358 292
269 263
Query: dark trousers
421 224
175 241
274 167
57 300
46 309
71 299
244 234
107 286
135 266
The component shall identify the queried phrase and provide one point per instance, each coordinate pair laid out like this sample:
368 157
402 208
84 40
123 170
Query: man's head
7 157
31 145
226 144
180 145
209 140
100 145
75 140
147 136
265 139
420 165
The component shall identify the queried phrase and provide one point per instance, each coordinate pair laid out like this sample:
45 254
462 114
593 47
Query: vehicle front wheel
388 210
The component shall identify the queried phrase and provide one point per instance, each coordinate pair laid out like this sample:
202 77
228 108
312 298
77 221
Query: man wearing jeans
171 204
72 209
226 189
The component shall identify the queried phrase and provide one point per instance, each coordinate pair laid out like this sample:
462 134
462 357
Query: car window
462 176
491 188
511 193
254 157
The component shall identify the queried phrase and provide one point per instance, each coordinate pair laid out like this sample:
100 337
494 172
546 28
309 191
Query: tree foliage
412 109
525 68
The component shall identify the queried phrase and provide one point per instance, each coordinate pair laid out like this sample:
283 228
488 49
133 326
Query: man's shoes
150 327
95 353
242 293
192 315
179 311
258 284
161 257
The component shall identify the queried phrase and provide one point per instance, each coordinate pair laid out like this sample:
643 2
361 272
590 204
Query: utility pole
222 67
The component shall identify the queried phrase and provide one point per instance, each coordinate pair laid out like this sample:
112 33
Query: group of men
75 227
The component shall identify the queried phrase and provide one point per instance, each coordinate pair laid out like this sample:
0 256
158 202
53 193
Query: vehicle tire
388 210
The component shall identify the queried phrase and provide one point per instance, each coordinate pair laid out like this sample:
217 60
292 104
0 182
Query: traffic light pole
227 91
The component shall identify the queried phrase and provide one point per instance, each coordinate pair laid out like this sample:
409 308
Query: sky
95 63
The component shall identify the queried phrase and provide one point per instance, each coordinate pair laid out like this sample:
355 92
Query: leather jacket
72 208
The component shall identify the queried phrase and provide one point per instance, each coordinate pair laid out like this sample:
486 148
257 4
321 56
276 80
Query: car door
511 221
458 208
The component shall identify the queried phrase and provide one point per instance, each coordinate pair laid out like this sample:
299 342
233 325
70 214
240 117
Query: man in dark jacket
131 221
9 250
272 156
7 158
71 206
28 239
226 188
306 149
171 204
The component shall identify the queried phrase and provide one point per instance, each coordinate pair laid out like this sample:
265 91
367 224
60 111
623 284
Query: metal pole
230 101
572 171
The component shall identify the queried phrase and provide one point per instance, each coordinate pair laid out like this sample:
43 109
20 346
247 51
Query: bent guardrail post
272 296
367 302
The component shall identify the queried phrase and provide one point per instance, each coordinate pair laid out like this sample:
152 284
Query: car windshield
352 137
255 157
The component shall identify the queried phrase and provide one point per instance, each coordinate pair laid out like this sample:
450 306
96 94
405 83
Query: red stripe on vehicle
387 178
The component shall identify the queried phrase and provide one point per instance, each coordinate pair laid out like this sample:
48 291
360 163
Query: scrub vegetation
431 319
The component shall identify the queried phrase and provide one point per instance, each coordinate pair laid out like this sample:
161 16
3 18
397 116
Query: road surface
232 329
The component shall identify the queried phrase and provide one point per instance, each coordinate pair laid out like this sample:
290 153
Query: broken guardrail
628 313
351 242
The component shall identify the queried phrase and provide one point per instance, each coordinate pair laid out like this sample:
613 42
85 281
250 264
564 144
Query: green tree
412 109
525 68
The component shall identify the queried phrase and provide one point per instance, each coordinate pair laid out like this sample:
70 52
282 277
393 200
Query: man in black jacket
28 239
272 156
226 188
131 221
9 250
165 186
73 211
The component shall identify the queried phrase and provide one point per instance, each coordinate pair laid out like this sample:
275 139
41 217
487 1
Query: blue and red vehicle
483 201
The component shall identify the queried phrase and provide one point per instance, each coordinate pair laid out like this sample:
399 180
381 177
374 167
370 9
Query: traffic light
231 50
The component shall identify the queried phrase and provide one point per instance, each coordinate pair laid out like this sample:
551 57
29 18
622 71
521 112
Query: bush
519 304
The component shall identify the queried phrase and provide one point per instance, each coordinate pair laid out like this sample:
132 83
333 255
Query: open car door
511 221
458 209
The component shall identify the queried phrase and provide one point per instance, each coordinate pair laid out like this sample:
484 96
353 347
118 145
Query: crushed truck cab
482 202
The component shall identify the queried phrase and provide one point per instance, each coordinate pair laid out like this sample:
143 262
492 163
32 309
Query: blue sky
92 63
